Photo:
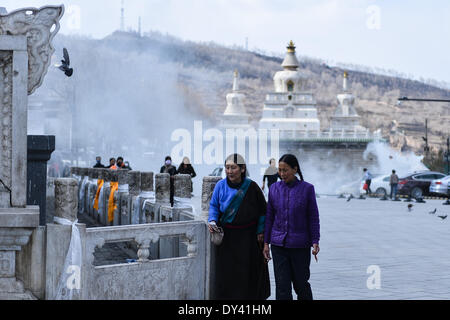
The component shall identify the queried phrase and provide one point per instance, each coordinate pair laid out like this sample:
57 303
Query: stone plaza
363 238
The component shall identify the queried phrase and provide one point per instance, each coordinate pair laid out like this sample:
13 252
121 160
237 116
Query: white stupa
345 116
235 115
290 109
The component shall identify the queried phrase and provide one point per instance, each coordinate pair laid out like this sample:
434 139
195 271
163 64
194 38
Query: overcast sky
412 37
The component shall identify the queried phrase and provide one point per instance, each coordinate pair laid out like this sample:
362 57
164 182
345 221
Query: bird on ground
410 206
65 64
433 212
350 197
443 217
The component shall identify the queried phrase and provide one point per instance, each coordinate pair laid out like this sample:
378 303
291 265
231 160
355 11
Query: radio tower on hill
122 18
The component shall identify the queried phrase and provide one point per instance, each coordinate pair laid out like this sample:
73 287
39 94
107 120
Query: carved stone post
146 188
209 183
182 184
104 194
146 181
123 196
162 187
129 194
66 199
82 189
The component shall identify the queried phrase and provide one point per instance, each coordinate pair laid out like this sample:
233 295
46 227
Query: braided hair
292 161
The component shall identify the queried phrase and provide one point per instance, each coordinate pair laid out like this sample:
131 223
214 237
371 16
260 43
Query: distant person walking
171 170
119 163
186 168
292 228
112 164
393 181
271 174
367 180
98 163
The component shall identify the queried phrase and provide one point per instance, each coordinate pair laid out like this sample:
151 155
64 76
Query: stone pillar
134 182
129 187
74 171
182 183
103 173
146 186
82 188
66 198
162 187
92 188
123 195
39 151
209 183
146 181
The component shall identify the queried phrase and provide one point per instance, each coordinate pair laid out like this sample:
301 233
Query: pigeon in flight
443 217
410 207
433 212
65 64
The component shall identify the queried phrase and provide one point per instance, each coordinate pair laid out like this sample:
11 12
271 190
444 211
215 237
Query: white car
440 186
379 185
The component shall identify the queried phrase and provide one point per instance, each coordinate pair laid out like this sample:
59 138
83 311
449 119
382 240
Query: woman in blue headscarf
238 206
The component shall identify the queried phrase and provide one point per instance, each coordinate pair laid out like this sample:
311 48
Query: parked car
379 185
218 172
440 187
418 184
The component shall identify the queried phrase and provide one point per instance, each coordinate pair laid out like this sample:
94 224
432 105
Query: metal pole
448 154
426 138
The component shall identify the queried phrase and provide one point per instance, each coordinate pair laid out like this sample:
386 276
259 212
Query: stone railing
173 256
133 200
328 134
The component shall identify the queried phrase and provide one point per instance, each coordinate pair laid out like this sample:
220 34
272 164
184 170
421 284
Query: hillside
200 75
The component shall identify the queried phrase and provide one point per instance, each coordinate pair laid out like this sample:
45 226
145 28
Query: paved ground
411 250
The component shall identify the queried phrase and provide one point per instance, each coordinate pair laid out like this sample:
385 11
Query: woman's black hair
239 160
292 162
167 158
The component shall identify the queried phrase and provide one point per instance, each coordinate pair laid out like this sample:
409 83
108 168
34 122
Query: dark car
417 184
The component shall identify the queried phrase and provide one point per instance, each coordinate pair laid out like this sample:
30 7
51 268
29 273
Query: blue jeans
291 266
394 191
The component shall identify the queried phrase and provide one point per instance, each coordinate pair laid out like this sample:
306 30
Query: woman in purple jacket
292 228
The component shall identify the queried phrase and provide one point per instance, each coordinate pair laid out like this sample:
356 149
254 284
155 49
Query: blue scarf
235 203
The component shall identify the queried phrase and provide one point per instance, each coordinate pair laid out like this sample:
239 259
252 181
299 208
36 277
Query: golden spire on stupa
291 46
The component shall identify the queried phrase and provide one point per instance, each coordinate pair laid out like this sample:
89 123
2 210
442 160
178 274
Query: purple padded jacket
292 218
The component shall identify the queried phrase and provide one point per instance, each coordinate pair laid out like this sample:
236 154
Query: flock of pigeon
409 206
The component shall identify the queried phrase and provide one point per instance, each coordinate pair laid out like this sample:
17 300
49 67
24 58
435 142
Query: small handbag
217 235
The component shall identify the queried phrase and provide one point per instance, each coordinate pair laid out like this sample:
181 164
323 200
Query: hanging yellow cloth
111 205
97 194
